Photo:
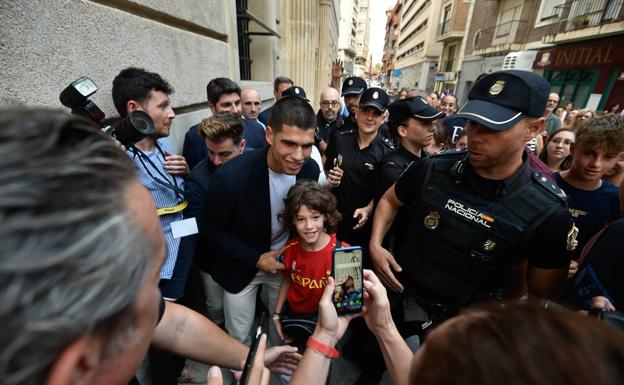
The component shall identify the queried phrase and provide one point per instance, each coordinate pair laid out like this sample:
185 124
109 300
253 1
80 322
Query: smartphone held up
348 278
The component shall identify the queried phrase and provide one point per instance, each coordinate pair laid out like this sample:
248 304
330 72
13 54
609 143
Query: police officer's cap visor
374 105
353 91
493 116
428 114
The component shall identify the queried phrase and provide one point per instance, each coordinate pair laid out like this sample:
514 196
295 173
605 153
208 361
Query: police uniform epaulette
452 152
388 143
549 185
344 132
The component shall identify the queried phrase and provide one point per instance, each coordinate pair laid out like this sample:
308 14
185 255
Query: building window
244 51
446 18
243 19
506 21
450 59
549 12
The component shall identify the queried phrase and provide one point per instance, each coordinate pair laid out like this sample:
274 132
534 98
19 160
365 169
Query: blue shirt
590 210
164 197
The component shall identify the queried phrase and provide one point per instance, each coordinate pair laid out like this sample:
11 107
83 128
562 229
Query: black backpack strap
338 244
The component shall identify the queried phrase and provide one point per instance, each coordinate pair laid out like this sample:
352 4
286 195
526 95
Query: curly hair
314 197
603 131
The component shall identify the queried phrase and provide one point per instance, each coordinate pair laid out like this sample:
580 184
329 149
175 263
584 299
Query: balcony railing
502 34
579 14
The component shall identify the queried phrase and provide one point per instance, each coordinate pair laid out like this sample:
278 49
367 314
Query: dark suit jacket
265 115
194 148
235 228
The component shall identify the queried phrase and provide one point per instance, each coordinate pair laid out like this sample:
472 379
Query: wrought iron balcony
580 14
448 32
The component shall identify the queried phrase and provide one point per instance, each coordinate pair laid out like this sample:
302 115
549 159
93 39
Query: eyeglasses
327 103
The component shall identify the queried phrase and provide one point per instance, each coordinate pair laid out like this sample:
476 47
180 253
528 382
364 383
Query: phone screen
347 274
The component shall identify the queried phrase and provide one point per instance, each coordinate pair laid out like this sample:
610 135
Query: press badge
184 227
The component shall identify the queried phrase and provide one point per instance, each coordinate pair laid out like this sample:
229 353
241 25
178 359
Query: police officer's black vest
460 246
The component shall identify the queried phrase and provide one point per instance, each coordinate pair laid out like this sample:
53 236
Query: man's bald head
251 102
330 104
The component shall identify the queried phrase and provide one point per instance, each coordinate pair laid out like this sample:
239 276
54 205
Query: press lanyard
141 155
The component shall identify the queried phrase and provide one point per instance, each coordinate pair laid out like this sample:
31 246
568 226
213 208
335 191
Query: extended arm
397 355
281 298
385 213
190 334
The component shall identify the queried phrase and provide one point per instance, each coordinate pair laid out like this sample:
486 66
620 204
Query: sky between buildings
377 13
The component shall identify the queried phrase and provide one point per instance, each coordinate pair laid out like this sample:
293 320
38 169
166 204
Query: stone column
327 40
299 43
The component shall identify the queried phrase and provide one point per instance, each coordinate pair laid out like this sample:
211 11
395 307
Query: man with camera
161 172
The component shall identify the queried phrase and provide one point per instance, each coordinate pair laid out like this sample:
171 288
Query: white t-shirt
279 184
316 155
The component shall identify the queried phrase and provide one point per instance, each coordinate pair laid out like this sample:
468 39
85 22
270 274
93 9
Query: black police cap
374 97
414 107
295 91
353 86
501 99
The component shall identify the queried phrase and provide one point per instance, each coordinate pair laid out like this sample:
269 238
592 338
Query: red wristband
320 347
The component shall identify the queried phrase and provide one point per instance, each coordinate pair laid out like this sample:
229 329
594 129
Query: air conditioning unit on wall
521 60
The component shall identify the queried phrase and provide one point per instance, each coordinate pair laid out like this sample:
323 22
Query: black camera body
131 129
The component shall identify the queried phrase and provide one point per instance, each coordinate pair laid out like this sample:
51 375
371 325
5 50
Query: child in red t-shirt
311 217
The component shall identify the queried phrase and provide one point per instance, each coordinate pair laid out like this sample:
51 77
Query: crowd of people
478 215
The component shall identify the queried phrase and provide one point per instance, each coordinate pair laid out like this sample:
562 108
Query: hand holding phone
348 278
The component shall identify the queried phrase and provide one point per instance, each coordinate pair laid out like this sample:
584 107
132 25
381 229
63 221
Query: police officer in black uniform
411 125
352 90
357 153
473 216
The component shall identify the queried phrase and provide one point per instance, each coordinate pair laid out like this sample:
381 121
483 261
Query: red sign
583 55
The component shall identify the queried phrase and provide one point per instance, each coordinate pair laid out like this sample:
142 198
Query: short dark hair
219 86
282 79
314 197
136 84
222 126
294 111
393 129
